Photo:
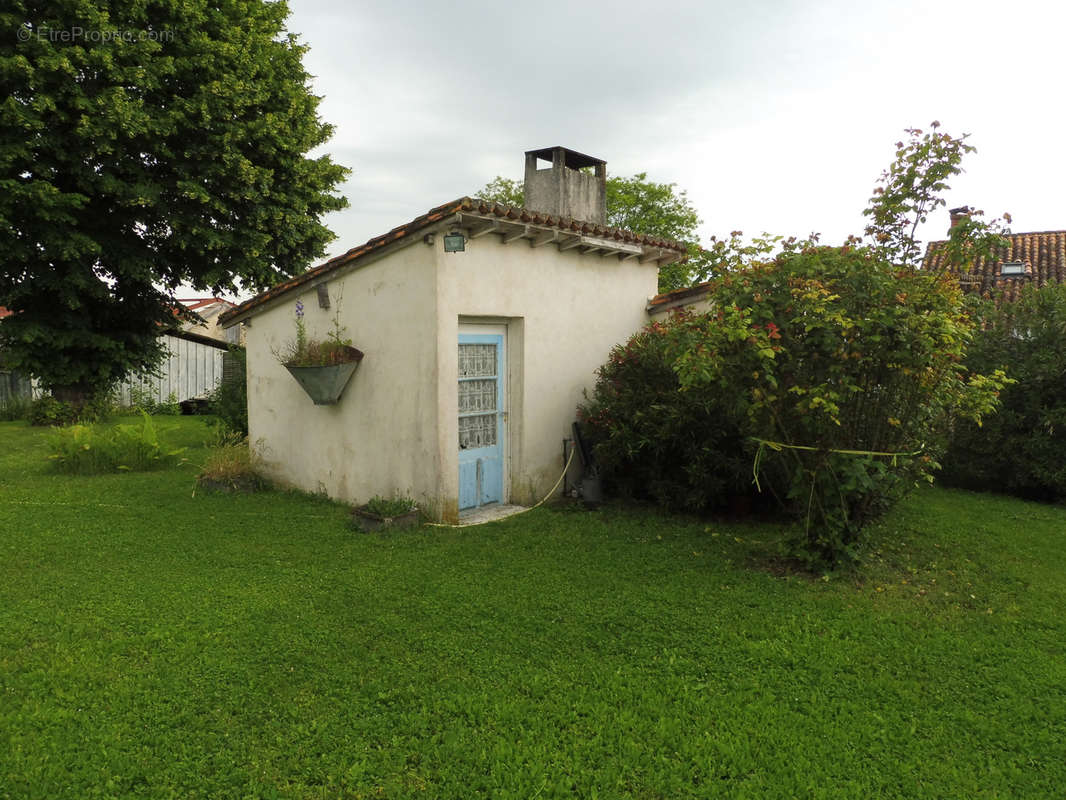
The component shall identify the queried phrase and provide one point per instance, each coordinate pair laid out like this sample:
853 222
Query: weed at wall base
231 465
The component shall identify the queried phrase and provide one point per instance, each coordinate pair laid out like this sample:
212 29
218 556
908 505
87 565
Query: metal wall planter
325 383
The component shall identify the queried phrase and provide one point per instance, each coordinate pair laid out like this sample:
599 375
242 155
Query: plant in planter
322 368
382 513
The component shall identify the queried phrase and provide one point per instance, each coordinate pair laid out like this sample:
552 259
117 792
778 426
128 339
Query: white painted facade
395 429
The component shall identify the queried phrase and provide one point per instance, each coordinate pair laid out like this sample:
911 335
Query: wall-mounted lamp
454 242
428 238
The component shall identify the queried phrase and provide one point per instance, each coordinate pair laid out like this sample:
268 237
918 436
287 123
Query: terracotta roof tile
200 302
463 204
1042 254
680 294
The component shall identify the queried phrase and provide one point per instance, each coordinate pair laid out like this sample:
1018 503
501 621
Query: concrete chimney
563 189
958 215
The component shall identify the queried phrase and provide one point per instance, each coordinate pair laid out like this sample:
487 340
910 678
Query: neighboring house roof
198 303
678 298
204 313
1038 258
482 218
5 312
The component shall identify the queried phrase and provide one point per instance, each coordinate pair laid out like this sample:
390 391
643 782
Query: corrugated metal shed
192 369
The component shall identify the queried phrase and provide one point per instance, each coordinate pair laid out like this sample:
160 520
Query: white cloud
774 116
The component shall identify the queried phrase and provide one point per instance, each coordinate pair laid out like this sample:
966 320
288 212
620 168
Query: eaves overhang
478 218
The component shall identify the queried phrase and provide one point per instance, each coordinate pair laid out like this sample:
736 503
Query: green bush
850 370
16 407
93 449
683 450
143 398
49 411
1022 449
829 372
15 389
229 402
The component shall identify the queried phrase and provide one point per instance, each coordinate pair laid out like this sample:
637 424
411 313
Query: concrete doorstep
489 513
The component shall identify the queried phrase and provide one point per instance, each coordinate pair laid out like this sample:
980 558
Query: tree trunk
77 395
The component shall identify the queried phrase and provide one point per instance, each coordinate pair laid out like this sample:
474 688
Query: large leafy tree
146 144
639 205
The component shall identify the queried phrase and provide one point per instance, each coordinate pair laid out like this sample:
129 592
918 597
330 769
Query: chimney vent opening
574 186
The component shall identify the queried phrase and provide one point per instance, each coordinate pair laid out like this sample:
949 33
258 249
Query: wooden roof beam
520 232
544 237
651 254
482 229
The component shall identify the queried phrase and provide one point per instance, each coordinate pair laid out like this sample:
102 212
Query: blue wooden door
481 428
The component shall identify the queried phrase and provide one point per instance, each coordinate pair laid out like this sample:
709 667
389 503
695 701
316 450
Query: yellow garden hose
509 516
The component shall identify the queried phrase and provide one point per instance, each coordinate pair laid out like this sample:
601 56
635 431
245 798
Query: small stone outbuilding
475 359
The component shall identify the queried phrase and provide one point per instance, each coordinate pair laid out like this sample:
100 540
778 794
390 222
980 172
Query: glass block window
477 431
477 395
477 360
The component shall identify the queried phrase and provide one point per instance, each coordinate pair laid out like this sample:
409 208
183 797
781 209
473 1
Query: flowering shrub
850 374
842 366
832 373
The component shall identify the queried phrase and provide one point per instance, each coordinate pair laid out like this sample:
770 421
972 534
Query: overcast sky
773 116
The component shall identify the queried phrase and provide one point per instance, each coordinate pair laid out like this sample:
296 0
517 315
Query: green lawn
157 644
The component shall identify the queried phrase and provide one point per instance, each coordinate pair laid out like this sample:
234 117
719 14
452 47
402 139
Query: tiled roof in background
1042 255
195 303
688 293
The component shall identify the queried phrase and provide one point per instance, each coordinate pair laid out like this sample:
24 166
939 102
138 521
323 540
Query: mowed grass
157 644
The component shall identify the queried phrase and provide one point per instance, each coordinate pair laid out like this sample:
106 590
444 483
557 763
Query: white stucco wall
381 437
565 311
396 427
